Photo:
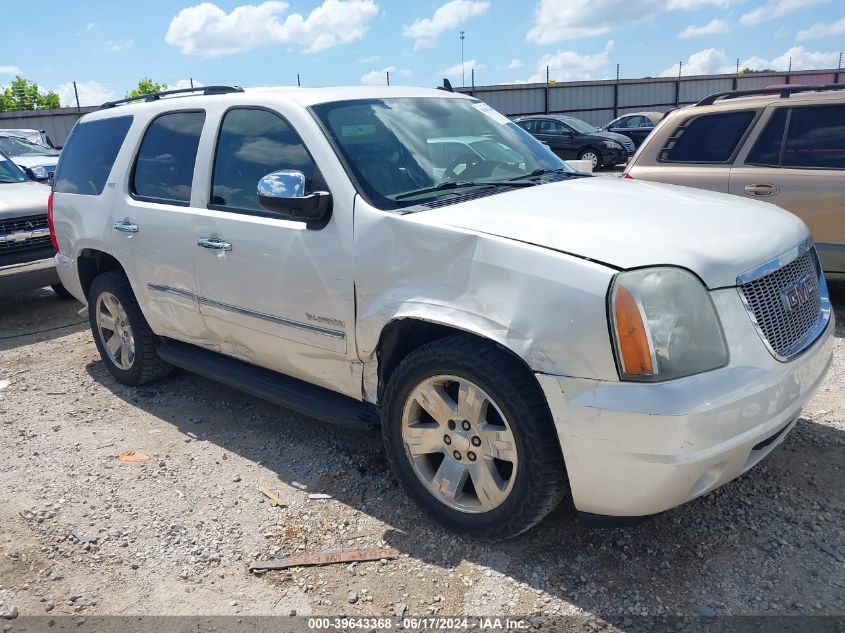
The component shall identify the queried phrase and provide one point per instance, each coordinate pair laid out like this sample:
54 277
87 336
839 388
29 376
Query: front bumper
28 275
637 449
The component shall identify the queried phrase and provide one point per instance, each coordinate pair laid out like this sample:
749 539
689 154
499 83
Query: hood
613 136
20 199
35 161
629 224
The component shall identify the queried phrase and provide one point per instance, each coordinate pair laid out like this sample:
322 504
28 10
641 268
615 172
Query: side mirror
284 192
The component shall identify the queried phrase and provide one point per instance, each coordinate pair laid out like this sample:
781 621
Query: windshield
9 172
399 149
19 147
579 126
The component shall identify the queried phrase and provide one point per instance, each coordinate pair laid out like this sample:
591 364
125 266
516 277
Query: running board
291 393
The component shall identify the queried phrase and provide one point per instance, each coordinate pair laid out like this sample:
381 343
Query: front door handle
214 244
125 226
762 190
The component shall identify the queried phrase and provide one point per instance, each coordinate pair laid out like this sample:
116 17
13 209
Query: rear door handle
762 190
214 244
125 226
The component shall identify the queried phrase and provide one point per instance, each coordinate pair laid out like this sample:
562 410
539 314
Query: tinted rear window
710 138
816 138
88 155
164 168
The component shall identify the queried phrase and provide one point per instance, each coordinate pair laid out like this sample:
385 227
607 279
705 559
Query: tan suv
784 145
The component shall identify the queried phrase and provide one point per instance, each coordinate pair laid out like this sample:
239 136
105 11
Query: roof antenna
447 85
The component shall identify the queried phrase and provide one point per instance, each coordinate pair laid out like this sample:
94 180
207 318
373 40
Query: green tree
26 95
145 87
749 71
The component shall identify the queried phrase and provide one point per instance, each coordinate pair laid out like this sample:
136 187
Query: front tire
470 438
593 155
123 337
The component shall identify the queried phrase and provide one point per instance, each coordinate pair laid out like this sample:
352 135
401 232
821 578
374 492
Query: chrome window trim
250 313
825 309
776 263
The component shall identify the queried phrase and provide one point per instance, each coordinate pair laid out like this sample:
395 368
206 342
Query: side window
638 121
710 138
766 151
164 167
88 155
816 138
528 126
252 143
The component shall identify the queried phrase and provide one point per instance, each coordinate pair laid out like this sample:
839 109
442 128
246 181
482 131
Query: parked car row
783 145
413 260
26 250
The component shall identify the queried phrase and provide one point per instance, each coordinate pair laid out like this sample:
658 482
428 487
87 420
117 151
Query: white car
37 161
519 331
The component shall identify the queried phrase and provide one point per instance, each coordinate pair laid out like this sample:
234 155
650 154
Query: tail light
627 177
50 222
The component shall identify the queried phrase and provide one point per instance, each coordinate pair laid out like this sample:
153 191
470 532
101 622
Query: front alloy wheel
459 443
468 433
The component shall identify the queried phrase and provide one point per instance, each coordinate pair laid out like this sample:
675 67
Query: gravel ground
87 534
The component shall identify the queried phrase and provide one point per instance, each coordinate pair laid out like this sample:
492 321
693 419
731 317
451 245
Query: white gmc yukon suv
519 331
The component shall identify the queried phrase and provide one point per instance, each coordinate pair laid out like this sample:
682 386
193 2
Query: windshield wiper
445 186
544 171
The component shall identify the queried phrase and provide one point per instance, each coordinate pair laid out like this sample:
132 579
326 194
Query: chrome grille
19 234
786 330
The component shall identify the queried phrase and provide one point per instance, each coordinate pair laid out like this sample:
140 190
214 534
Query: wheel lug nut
476 441
471 456
447 439
451 425
457 455
465 425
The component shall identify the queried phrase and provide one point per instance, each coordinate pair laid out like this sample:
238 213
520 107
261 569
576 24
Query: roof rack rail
782 91
155 96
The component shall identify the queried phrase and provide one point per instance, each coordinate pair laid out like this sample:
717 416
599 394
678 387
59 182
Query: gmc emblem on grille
799 293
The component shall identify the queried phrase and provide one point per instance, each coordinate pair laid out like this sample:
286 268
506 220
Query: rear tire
501 470
123 337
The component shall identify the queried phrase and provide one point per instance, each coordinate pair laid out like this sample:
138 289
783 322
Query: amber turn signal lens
631 334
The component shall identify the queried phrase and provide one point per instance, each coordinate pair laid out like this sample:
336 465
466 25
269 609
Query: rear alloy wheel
114 330
591 155
469 436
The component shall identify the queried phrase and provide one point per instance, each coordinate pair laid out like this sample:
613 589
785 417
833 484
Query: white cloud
714 27
10 70
447 16
379 77
116 47
706 62
90 93
558 20
515 63
774 9
367 60
186 83
711 61
454 72
208 31
802 59
820 30
572 66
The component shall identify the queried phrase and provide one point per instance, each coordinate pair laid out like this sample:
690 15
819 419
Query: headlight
612 144
39 172
664 325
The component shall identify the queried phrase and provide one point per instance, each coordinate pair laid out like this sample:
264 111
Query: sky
106 46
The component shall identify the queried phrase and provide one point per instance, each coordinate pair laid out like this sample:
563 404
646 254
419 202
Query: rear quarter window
709 138
88 156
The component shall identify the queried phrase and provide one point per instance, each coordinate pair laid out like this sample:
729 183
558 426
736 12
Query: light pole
463 74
